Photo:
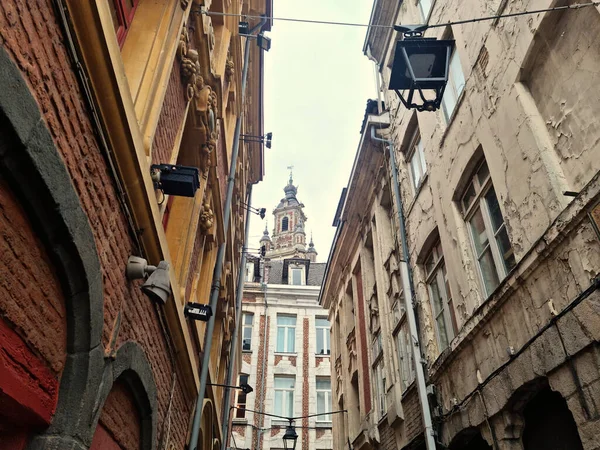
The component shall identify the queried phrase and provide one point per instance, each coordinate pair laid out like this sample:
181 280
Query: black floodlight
268 139
420 64
198 311
290 438
245 388
243 28
263 42
176 180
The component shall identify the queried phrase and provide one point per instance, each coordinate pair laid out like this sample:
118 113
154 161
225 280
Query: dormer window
296 275
285 224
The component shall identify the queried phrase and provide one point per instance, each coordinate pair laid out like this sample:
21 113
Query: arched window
284 224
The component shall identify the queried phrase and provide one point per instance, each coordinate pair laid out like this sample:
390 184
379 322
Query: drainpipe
216 283
407 285
238 321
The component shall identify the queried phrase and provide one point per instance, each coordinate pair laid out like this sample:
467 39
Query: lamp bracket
411 31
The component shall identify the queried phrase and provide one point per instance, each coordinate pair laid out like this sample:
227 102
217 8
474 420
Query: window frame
284 398
247 326
326 336
416 151
241 413
378 368
285 221
326 415
480 203
425 18
286 329
439 275
451 84
124 20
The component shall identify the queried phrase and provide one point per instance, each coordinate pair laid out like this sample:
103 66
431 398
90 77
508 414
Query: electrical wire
423 27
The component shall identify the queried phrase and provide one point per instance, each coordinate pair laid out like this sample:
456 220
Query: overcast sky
317 82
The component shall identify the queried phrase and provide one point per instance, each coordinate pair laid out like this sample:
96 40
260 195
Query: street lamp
420 64
290 437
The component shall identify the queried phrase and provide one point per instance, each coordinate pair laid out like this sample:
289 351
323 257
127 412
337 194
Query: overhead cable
426 26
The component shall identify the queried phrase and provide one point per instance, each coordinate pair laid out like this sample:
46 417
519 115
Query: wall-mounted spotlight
261 212
175 180
263 42
262 250
266 139
157 285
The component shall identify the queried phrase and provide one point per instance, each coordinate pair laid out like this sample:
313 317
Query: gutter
407 285
218 270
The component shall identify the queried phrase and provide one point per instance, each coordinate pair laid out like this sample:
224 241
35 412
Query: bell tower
288 238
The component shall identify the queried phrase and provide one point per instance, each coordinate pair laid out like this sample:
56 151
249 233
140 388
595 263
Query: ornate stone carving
229 69
190 66
207 218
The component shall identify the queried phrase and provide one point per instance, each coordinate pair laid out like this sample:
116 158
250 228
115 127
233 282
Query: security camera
157 285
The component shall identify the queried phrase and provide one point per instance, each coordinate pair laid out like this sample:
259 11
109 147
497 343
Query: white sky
317 82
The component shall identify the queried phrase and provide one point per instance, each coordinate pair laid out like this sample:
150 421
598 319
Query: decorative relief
207 218
352 353
229 69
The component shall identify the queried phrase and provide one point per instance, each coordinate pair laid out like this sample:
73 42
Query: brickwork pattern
33 38
305 391
261 378
387 437
121 418
170 118
31 299
413 421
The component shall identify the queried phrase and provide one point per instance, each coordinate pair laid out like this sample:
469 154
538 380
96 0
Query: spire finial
291 168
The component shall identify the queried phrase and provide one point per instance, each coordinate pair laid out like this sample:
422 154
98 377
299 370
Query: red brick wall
170 119
32 37
120 417
387 437
362 343
103 440
261 379
31 300
305 390
413 422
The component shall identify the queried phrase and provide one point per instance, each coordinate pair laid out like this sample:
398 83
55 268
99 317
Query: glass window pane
248 319
284 383
506 250
290 403
468 197
286 320
291 344
421 153
323 384
494 208
483 173
443 333
297 277
320 346
456 74
436 297
488 272
278 402
280 339
478 232
415 169
449 100
322 322
321 402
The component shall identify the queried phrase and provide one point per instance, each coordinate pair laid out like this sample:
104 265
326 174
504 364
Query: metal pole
238 321
407 285
216 283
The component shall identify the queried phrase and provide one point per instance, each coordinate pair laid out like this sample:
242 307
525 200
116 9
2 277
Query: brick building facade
92 94
499 190
287 364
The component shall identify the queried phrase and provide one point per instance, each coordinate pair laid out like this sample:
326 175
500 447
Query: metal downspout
216 283
407 285
238 320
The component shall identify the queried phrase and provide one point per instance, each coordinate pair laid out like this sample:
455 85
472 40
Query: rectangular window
284 396
323 336
286 334
417 162
441 298
398 309
241 398
247 331
491 244
425 8
250 272
455 86
296 276
405 357
324 399
122 12
380 388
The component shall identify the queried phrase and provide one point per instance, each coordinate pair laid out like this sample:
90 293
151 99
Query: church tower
289 237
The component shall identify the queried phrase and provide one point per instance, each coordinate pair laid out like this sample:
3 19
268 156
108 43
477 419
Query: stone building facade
500 191
91 95
285 344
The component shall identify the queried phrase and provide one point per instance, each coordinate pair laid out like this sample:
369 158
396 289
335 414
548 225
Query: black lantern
420 64
290 437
